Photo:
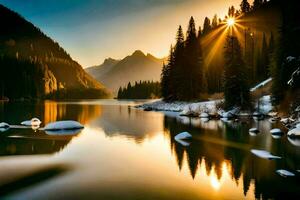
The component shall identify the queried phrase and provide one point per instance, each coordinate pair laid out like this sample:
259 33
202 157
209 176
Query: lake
127 153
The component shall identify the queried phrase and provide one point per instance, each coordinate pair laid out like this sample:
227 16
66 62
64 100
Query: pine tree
178 71
257 4
193 59
214 23
236 90
206 26
245 6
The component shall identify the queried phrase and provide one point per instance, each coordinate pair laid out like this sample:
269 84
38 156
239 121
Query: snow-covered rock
181 137
276 131
32 122
63 125
264 154
294 132
265 105
257 114
285 173
298 125
229 114
290 58
272 114
4 125
253 130
204 115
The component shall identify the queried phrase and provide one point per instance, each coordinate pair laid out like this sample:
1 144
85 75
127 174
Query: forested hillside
34 66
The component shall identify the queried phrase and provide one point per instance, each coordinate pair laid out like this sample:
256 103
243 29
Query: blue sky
92 30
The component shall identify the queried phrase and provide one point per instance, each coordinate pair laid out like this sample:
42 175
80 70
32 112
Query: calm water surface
125 153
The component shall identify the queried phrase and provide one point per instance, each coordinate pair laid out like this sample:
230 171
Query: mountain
136 67
34 66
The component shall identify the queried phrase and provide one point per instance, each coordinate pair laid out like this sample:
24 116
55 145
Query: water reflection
216 165
126 121
225 149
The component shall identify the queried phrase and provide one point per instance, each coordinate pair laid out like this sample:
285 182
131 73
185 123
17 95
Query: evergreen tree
206 26
214 23
178 71
245 6
257 4
193 59
231 11
236 90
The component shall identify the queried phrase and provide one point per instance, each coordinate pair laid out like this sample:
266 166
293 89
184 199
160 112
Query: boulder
63 125
294 132
276 131
264 154
32 122
204 115
284 173
4 125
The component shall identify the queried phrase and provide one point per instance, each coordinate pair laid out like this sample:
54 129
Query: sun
230 21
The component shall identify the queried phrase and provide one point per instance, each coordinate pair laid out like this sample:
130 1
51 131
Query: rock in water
4 125
285 173
253 130
32 122
276 131
183 136
264 154
204 115
63 125
294 132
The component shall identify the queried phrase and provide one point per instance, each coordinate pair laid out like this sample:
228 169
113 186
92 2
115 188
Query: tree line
140 90
185 76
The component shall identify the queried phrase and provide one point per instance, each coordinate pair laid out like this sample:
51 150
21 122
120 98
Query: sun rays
231 26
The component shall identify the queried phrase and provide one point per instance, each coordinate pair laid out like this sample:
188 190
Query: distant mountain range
34 66
117 73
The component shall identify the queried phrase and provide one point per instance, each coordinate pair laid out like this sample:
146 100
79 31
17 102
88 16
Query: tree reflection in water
226 149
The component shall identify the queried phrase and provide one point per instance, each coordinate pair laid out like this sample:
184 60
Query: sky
92 30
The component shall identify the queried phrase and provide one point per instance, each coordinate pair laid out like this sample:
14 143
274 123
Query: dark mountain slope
49 68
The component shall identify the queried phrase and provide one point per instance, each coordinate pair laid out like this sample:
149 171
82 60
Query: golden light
230 21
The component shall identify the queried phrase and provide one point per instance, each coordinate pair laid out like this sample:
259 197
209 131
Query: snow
32 122
261 84
204 115
285 173
253 130
276 131
186 108
290 58
63 125
265 106
294 132
181 137
298 125
264 154
294 74
4 125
